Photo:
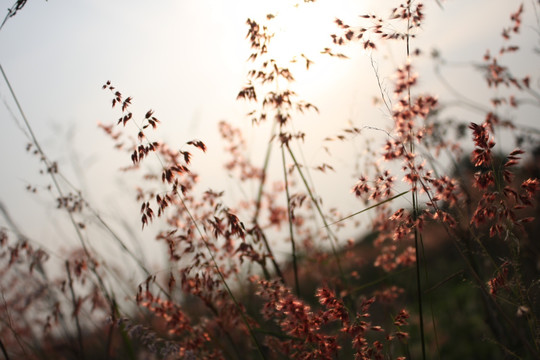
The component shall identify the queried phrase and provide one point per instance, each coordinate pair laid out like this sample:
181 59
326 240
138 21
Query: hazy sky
186 59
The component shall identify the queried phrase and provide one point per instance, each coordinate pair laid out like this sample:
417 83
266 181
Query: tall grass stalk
290 221
74 302
315 202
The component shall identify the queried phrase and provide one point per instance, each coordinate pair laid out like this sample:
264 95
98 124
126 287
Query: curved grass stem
291 226
258 201
331 235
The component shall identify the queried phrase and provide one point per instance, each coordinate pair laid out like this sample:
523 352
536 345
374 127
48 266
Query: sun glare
305 27
301 31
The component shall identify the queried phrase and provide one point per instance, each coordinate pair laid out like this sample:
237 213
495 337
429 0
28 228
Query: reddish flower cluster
297 320
500 199
481 156
381 189
500 281
407 14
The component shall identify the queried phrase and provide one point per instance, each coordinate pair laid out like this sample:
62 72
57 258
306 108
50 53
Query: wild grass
447 269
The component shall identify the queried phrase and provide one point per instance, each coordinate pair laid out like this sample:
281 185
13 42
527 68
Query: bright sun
302 30
305 26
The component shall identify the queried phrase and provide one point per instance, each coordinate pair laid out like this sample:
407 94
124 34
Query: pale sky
186 59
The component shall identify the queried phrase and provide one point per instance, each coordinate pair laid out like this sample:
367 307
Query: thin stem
121 243
417 237
370 207
333 239
290 218
4 349
418 280
272 258
379 280
75 311
9 324
258 202
385 98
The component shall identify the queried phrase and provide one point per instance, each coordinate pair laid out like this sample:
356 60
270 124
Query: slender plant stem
418 280
379 280
333 239
258 202
272 258
75 311
370 207
417 237
290 218
4 351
